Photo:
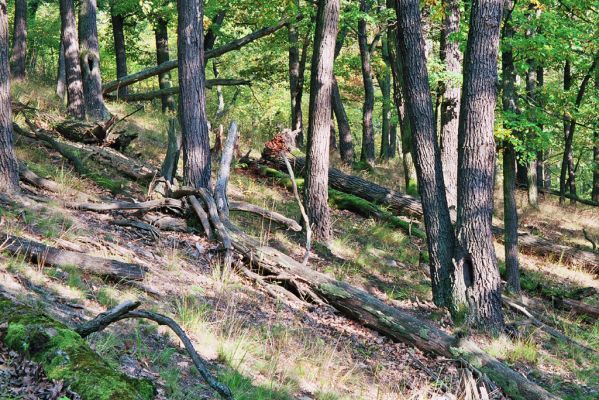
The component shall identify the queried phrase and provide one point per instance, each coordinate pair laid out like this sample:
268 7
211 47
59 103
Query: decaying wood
152 231
125 205
221 231
173 150
407 205
577 307
224 172
127 310
392 322
300 204
201 214
32 178
589 238
268 214
165 222
46 255
516 306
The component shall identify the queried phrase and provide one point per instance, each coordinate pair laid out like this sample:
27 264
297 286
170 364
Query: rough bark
173 151
440 237
162 56
66 356
475 254
90 62
19 47
321 82
120 49
450 102
384 80
70 42
172 64
510 211
367 153
192 98
45 255
392 322
346 144
297 67
9 169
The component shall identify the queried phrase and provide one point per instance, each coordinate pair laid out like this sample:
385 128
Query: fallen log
41 254
577 307
125 205
64 355
394 323
400 203
268 214
213 53
174 90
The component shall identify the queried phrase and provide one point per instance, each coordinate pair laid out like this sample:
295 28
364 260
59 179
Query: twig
199 210
301 207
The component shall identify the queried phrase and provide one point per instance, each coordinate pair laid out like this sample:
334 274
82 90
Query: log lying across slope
396 324
45 255
404 204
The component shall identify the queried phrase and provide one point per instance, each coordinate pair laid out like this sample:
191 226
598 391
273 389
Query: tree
346 145
90 61
419 107
450 103
162 55
192 96
70 42
19 47
319 125
9 170
297 68
510 107
384 80
118 34
474 253
367 153
595 191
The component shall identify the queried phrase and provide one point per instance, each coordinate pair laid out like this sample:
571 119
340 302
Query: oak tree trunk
475 255
440 237
9 170
162 55
321 83
450 102
346 145
70 42
61 78
19 46
90 61
367 153
120 52
192 97
510 212
297 67
384 79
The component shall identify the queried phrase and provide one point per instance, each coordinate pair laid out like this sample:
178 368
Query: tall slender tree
450 102
384 80
321 82
297 67
346 145
9 173
192 96
439 231
475 254
162 55
90 61
120 51
70 42
510 212
19 47
367 153
595 190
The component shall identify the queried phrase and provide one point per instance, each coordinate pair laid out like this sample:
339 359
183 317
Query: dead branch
221 231
589 238
301 207
224 172
124 205
154 233
268 214
126 310
199 211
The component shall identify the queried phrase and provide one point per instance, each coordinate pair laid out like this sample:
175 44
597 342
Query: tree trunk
90 61
61 79
9 169
367 153
475 254
19 47
192 98
346 145
510 212
439 231
450 102
162 55
297 67
70 42
120 52
595 190
321 82
384 79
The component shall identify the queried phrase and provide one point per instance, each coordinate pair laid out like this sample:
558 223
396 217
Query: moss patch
65 355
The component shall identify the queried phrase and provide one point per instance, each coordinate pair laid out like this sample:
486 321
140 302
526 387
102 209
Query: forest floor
260 347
